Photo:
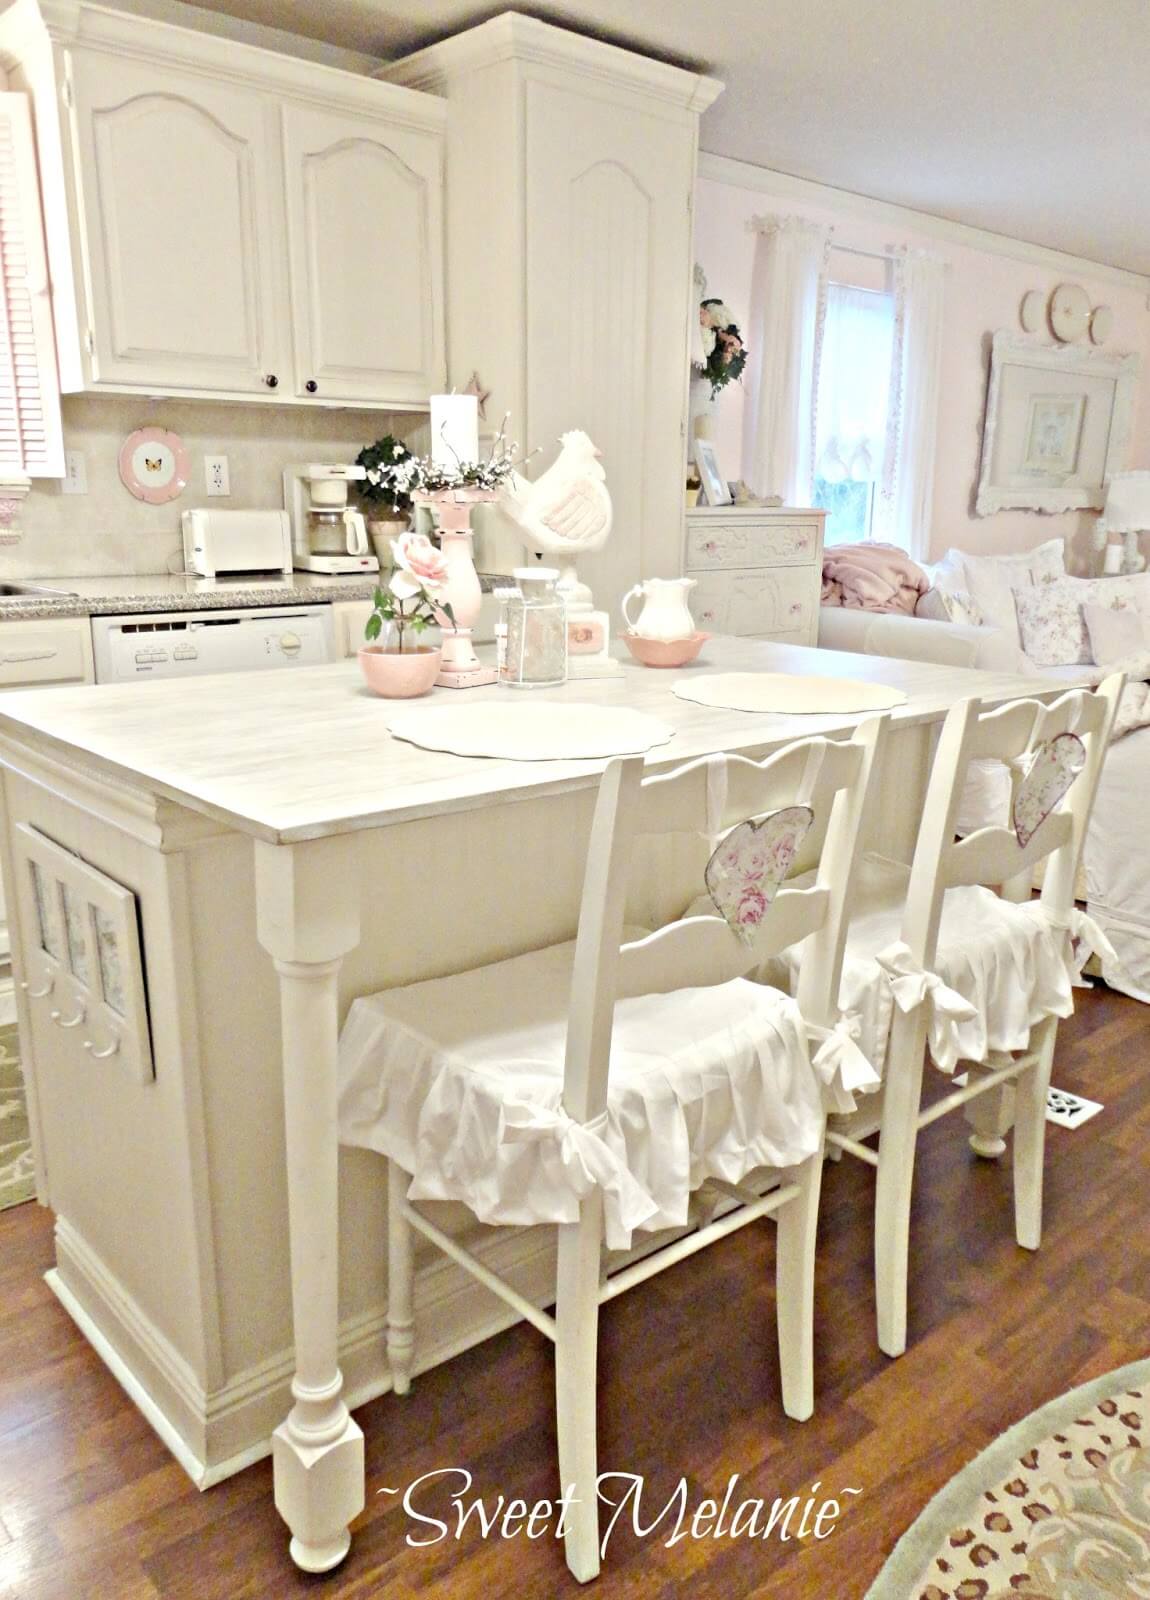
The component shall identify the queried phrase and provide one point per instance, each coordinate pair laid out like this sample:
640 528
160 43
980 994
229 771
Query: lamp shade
1128 503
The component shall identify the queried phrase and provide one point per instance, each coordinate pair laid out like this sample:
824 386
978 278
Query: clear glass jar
535 653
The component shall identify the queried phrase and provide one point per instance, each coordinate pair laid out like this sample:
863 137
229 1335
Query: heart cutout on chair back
747 867
1051 768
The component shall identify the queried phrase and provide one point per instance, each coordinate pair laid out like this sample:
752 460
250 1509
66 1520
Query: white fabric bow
587 1160
840 1065
912 985
1087 939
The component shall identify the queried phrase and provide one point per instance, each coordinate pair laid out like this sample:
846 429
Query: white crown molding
512 37
745 175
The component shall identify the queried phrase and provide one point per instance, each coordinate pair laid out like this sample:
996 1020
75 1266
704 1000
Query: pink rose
752 908
419 565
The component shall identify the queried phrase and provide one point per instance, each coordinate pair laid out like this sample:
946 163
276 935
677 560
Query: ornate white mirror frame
1048 445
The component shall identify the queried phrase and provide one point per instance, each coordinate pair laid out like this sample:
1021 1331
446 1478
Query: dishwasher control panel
182 643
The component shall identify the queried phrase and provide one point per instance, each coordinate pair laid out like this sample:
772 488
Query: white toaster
217 542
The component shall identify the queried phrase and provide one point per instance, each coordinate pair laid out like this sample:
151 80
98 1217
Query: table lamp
1127 512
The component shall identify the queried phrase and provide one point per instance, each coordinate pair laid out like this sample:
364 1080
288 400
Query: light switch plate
216 480
75 473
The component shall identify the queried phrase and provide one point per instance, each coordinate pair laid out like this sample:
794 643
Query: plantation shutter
31 444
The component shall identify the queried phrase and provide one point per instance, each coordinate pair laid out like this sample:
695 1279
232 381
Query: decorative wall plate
1101 324
1069 312
1032 312
154 465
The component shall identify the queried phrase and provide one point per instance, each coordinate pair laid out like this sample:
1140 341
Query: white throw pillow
949 605
1051 625
992 580
1115 632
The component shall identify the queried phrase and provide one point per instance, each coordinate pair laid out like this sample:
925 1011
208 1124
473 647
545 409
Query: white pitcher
665 613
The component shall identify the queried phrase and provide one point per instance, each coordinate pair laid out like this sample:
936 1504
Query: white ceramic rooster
566 511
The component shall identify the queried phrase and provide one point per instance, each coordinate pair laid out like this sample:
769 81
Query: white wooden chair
936 958
492 1086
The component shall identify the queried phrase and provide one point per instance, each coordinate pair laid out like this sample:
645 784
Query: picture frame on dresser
716 489
757 570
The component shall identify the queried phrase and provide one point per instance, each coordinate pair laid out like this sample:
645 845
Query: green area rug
17 1178
1056 1509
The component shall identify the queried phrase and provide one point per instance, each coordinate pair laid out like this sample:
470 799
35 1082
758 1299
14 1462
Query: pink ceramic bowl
665 652
399 676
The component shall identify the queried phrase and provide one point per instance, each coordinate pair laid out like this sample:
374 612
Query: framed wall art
716 490
1058 422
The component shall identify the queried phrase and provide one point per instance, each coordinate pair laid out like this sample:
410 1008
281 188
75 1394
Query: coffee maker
327 534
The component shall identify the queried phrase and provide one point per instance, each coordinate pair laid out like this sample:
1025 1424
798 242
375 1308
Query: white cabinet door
365 228
608 282
178 177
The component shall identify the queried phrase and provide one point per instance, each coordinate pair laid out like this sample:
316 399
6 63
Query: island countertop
286 757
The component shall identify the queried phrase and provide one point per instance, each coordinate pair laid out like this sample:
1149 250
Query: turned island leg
308 918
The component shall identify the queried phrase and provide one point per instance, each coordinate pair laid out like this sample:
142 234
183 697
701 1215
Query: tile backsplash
107 530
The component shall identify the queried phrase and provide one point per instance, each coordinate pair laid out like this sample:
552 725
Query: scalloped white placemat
544 731
788 693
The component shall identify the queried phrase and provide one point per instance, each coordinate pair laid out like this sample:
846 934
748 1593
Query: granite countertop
114 596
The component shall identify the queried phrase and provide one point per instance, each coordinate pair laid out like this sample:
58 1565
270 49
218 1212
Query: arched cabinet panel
181 240
365 250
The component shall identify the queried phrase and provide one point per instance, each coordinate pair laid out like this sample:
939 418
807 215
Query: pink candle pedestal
461 667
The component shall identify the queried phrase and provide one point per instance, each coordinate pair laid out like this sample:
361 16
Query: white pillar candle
1112 559
454 429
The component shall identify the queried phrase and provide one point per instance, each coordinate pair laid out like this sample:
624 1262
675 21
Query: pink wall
983 291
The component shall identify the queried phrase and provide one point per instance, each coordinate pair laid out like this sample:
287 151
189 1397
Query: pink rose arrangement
411 602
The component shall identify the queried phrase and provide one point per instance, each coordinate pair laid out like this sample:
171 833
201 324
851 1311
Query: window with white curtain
31 445
853 407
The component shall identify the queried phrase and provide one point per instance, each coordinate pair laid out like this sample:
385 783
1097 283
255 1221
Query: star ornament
481 394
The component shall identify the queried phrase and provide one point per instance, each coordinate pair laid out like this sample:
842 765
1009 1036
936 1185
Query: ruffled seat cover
1008 962
460 1080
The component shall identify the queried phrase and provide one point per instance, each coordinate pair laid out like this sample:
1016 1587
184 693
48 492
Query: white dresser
758 570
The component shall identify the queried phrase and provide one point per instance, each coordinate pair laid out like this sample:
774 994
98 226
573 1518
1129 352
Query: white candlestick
454 429
1112 558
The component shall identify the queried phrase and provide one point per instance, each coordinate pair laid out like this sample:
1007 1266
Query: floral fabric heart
747 867
1050 770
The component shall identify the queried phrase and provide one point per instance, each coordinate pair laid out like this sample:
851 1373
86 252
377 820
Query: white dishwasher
176 644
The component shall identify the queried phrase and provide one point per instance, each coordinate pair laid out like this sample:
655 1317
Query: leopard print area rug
1057 1509
17 1178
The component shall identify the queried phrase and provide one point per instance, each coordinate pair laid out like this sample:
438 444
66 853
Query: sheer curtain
854 384
786 302
908 488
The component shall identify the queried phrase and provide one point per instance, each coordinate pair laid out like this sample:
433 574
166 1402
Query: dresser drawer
767 545
773 605
34 653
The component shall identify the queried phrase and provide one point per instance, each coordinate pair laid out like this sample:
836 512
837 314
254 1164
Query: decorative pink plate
154 465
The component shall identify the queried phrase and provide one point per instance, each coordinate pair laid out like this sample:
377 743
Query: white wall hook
72 1022
101 1055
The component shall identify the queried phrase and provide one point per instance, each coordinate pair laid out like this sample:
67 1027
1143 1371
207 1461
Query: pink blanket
872 577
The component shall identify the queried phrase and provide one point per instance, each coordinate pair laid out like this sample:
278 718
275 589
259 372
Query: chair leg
576 1347
991 1116
797 1223
901 1098
1030 1137
400 1278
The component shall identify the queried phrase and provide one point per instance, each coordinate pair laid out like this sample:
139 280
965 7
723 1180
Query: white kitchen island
276 853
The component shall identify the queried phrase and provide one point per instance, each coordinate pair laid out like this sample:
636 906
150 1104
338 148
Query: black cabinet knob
311 386
271 380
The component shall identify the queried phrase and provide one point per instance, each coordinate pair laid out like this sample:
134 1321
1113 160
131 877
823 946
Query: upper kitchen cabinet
365 222
225 221
571 176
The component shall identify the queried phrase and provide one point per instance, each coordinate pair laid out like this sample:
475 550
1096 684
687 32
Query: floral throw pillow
1051 625
949 605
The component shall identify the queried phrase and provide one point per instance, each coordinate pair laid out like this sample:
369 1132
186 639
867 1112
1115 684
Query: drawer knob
311 386
271 380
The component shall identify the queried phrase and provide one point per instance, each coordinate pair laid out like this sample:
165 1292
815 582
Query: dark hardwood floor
92 1507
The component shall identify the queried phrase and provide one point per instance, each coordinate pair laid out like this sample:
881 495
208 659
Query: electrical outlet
76 473
216 475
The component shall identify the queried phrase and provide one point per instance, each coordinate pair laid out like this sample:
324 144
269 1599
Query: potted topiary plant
392 472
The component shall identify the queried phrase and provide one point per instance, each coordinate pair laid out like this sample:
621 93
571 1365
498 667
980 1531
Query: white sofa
1116 867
